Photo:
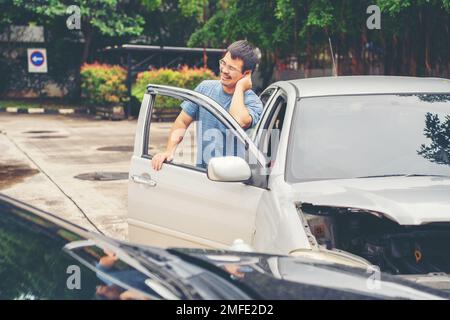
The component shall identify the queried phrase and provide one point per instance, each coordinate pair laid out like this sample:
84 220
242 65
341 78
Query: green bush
186 77
103 84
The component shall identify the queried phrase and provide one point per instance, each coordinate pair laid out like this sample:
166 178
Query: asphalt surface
43 154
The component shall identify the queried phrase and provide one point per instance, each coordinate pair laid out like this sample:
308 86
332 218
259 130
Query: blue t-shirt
213 139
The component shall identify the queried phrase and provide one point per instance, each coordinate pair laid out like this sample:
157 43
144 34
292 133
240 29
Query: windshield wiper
384 175
425 175
403 175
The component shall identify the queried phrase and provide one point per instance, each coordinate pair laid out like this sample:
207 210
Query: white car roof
356 85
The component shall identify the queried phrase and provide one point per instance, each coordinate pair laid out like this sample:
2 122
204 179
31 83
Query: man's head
239 60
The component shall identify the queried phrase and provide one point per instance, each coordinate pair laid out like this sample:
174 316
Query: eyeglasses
223 64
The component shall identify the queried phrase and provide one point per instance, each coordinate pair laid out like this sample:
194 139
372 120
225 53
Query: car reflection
438 131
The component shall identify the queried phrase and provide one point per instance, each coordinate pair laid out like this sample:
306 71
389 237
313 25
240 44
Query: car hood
284 277
406 200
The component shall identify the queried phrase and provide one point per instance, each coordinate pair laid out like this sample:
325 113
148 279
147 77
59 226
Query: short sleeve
254 106
191 108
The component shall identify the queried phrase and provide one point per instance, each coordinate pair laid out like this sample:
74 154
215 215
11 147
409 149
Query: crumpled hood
406 200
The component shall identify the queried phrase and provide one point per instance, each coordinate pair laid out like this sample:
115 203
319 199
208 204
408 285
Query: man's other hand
245 83
158 160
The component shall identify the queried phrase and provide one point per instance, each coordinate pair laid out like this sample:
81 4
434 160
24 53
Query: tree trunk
405 57
308 57
428 66
339 65
361 44
397 50
356 52
387 54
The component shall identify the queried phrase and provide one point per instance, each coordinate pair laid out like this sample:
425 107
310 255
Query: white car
353 169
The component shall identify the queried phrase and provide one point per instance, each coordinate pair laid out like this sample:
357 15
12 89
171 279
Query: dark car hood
284 277
406 200
187 273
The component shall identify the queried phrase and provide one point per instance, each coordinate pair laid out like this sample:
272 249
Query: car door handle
144 179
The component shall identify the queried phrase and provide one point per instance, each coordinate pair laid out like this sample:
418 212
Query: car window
274 126
369 136
266 98
165 111
266 95
199 145
271 126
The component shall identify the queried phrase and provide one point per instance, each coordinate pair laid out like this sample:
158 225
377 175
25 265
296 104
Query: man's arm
175 137
237 108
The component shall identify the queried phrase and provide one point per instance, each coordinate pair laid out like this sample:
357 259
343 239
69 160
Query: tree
412 40
416 37
438 151
99 19
165 25
260 26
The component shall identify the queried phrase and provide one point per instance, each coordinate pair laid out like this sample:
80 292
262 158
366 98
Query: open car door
179 205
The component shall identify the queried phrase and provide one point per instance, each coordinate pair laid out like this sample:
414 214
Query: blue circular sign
37 58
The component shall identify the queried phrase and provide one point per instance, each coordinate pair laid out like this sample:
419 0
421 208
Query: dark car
45 257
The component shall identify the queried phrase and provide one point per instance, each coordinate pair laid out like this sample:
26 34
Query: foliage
186 77
193 76
151 4
194 8
439 133
103 84
101 21
108 17
412 40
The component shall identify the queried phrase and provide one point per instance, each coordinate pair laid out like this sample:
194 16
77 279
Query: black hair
243 50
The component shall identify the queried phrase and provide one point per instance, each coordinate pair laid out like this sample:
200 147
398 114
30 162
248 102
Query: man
233 92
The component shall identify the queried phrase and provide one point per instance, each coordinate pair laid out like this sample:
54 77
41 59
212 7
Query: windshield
372 135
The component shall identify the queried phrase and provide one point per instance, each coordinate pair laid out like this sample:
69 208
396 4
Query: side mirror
228 169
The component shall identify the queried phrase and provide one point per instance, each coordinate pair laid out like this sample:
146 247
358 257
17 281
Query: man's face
230 70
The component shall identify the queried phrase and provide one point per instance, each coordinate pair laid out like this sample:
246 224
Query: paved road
42 154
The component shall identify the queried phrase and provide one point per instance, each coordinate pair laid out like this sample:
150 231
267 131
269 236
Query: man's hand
237 108
175 137
158 159
245 83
